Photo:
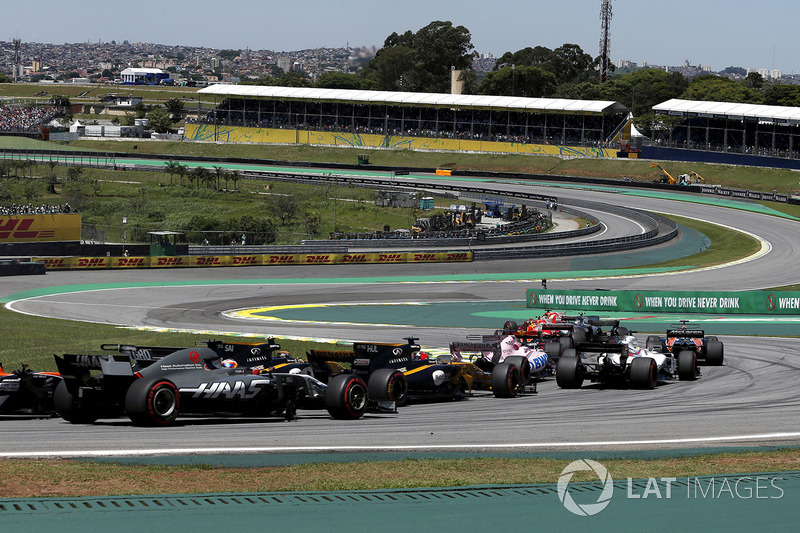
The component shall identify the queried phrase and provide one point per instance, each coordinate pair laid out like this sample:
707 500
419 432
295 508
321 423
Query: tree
174 106
218 172
531 82
199 175
159 120
421 61
339 80
754 80
785 95
284 207
720 89
172 168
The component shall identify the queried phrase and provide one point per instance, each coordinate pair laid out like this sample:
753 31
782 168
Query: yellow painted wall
206 132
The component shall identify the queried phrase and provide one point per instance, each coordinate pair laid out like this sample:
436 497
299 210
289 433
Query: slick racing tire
566 343
569 371
524 366
510 327
346 397
578 336
644 373
388 384
714 353
622 331
69 410
506 380
687 365
553 349
152 402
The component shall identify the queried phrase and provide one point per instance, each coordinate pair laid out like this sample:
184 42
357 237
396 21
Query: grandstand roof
424 99
770 113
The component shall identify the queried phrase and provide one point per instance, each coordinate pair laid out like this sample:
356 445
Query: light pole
124 221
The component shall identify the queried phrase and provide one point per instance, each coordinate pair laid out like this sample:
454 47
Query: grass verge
50 478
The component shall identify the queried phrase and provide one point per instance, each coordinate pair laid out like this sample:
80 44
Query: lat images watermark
755 487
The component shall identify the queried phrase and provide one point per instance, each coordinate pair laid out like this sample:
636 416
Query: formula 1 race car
488 351
193 381
681 338
24 392
401 371
623 361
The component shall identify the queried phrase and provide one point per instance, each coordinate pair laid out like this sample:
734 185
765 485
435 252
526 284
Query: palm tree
235 177
172 168
219 171
182 171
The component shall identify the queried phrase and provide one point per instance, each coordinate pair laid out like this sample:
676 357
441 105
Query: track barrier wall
716 302
182 261
40 228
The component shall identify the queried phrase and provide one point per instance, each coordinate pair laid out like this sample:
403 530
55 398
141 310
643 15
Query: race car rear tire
152 402
687 365
347 397
578 336
569 371
552 349
569 352
506 380
388 384
510 327
524 366
643 373
712 338
566 343
69 410
714 353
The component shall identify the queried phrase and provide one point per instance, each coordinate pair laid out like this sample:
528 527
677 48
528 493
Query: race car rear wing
601 347
365 357
693 333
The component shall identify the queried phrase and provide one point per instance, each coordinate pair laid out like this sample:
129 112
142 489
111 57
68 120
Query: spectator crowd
30 209
20 118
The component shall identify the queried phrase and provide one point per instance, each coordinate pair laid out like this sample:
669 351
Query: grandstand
381 119
756 130
16 118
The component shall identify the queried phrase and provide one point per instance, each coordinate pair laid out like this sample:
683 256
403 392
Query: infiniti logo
586 509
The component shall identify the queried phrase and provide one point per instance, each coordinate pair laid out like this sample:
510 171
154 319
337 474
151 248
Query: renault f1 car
24 392
623 361
709 349
401 371
155 391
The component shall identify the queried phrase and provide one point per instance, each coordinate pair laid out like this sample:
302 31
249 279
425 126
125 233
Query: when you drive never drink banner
721 302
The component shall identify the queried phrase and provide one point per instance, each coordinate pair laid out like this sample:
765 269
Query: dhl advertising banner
714 302
186 261
40 228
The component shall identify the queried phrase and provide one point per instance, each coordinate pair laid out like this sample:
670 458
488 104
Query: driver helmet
229 363
631 341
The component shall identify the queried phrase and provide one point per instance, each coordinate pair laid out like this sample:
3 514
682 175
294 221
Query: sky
715 33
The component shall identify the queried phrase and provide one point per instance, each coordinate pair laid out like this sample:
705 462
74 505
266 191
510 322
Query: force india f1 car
24 392
155 389
622 361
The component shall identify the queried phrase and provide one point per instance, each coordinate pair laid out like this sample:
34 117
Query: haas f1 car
622 362
156 388
24 392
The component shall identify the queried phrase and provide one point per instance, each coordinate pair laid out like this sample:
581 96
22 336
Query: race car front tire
714 353
578 335
569 371
388 384
506 380
510 327
347 397
69 410
152 402
687 365
643 373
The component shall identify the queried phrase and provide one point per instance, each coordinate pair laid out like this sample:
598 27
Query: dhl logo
91 262
208 261
7 229
424 257
458 256
390 258
55 263
246 260
132 262
282 259
316 259
169 261
354 258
